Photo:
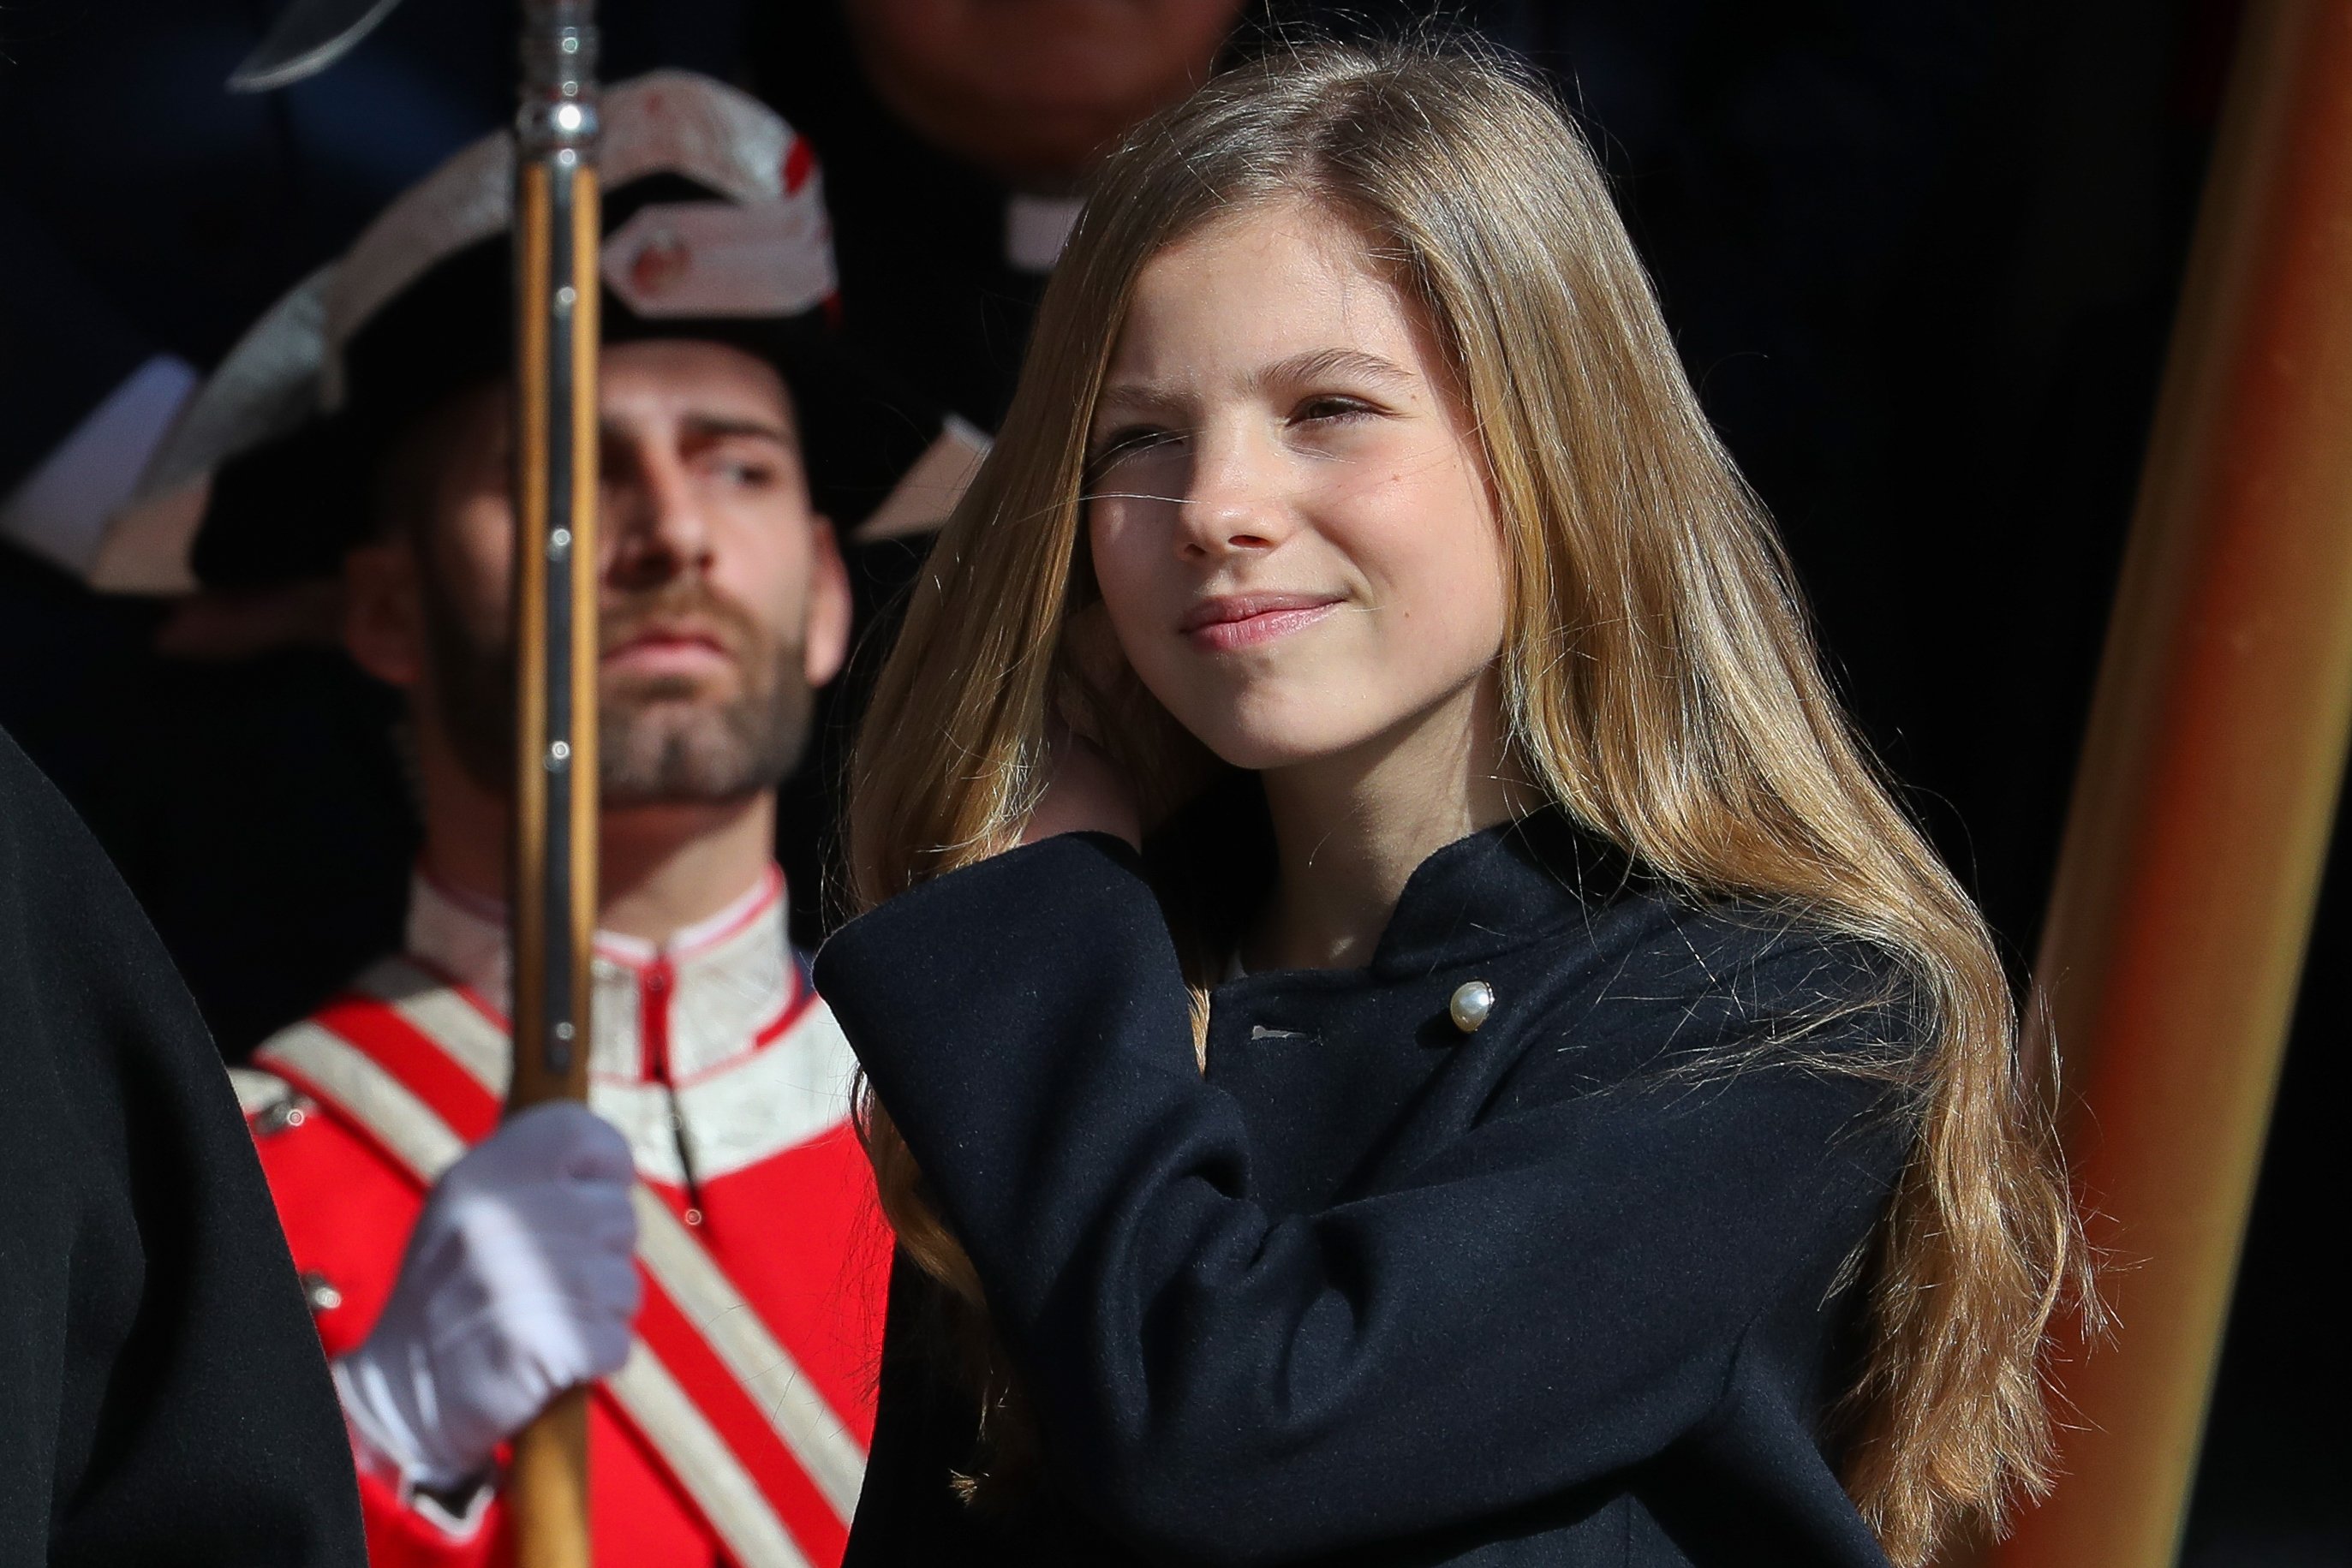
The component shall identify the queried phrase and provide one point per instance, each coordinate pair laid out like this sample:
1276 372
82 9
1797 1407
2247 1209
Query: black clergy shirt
1570 1289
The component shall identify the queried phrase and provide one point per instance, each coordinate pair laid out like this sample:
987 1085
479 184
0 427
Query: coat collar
1496 889
1486 894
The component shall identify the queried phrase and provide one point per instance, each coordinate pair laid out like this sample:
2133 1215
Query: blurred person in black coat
955 136
163 1396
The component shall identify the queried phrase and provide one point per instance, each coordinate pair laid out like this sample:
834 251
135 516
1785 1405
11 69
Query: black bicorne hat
715 229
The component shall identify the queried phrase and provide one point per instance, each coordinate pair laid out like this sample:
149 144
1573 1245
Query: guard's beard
661 741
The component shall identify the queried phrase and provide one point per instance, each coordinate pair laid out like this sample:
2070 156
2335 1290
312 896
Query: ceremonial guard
462 1270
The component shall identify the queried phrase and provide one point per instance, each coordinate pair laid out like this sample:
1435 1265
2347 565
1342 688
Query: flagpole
2207 791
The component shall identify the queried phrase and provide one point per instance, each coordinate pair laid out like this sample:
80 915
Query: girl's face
1288 508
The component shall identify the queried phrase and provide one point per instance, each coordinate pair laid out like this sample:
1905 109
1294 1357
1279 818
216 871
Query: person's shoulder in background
166 1395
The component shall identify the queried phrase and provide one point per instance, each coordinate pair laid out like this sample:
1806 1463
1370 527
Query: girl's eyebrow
1136 397
1317 363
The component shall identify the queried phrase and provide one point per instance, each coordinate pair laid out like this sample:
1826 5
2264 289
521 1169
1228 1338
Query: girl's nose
1234 503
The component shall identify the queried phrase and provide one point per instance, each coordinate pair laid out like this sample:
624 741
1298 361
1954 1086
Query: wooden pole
2201 811
558 236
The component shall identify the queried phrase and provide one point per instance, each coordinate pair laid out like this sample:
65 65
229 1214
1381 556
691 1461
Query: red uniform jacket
737 1433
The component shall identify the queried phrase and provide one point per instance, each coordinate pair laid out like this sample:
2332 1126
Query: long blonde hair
1658 676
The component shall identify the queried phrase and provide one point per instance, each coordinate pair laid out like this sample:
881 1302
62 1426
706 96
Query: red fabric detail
347 1206
400 1537
741 1425
417 1060
781 1025
656 983
822 1281
800 162
636 1514
636 1511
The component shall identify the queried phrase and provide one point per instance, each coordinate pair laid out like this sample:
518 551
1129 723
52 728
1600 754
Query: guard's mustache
696 604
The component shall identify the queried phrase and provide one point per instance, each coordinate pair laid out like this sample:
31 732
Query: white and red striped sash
741 1427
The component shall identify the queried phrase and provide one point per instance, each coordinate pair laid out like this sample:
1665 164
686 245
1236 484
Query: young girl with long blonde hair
1401 1025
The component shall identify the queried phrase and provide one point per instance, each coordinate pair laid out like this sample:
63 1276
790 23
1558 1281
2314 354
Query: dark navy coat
1574 1288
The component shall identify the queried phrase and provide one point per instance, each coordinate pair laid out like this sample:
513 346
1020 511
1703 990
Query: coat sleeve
166 1399
1562 1293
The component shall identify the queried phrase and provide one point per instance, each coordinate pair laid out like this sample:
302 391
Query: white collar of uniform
675 1011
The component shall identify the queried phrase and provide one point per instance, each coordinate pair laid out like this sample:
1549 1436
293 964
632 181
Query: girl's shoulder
1676 973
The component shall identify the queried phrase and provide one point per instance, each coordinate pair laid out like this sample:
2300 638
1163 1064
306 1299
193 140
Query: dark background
1921 258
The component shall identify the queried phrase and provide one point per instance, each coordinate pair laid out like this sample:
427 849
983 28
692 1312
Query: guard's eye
745 471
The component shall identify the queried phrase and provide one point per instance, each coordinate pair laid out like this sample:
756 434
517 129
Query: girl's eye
1331 407
1122 444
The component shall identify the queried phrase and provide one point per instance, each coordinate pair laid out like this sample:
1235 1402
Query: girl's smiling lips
1247 620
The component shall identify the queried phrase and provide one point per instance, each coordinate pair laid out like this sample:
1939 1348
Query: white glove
519 1283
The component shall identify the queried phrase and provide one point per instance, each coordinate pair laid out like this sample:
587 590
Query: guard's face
1288 512
724 602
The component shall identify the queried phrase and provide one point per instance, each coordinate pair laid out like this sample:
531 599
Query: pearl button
1470 1006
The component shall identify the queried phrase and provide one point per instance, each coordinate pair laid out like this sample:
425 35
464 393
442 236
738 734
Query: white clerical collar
668 1011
